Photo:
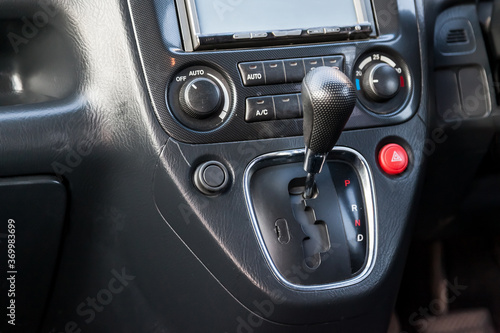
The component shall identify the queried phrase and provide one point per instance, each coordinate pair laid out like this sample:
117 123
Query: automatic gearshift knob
328 99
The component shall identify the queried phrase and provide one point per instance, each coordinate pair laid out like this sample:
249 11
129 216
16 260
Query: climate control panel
267 92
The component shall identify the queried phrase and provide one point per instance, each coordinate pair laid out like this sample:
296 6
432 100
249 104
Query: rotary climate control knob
200 97
381 82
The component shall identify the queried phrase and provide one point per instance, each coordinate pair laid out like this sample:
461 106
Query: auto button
252 73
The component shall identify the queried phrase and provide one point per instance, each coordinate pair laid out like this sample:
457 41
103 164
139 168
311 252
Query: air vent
456 36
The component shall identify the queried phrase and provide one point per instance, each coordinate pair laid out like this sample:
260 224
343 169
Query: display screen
232 16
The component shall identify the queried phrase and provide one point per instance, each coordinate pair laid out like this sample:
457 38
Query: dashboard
153 158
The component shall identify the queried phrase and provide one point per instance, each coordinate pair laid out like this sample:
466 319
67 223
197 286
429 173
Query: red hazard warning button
393 159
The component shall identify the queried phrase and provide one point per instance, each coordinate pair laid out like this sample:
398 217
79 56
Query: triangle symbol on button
396 157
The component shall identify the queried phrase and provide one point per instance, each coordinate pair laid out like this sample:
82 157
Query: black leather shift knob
328 99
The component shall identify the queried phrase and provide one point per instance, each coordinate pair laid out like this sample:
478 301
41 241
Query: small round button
214 176
200 98
393 159
211 177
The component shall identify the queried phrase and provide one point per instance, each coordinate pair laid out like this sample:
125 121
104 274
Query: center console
225 82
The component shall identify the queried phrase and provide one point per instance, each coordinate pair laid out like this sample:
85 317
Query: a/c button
260 109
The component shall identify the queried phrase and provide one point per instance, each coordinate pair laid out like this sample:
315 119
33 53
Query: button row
360 29
250 35
273 107
284 71
363 28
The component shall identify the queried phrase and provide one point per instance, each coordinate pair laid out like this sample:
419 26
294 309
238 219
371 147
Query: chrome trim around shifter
365 175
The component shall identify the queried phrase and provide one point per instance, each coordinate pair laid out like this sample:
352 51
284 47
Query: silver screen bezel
191 30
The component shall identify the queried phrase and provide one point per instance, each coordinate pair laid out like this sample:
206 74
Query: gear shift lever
328 99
